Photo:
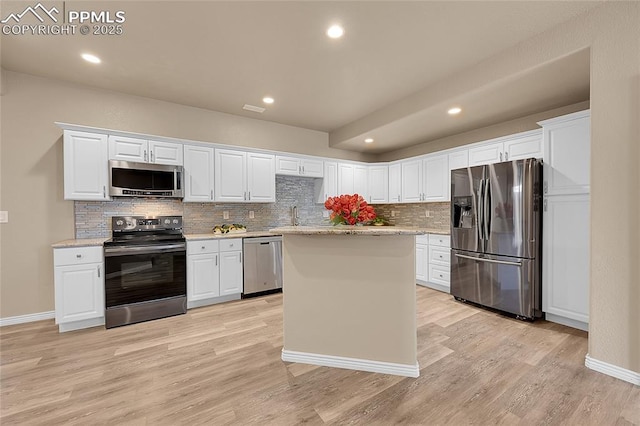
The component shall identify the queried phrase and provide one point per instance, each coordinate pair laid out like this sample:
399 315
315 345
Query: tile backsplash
93 218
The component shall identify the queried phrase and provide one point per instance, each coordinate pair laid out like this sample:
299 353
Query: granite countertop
248 234
352 230
81 242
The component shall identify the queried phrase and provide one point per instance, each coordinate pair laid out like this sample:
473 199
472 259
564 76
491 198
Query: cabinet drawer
232 244
422 239
203 246
439 274
77 255
439 240
439 255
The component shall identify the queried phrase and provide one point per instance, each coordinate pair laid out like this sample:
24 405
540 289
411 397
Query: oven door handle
135 250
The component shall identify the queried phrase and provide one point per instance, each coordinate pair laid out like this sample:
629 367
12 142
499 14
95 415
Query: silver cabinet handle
500 156
212 194
216 260
302 169
145 155
545 205
398 197
152 156
104 191
506 156
98 271
479 259
546 187
202 247
79 256
249 195
240 257
245 195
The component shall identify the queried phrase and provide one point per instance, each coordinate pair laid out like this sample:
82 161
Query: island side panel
351 296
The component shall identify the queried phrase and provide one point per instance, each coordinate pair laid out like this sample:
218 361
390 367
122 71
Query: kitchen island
350 297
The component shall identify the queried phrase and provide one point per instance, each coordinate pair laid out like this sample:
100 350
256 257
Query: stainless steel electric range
145 264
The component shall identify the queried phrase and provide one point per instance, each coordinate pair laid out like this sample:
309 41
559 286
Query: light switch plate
225 214
325 213
4 216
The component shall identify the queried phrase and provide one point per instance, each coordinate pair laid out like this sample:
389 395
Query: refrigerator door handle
487 209
481 209
480 259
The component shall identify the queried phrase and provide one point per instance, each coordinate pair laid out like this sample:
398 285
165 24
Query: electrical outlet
427 213
4 216
393 213
325 213
252 215
225 214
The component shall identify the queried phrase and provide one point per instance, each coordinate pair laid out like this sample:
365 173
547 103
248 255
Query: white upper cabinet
486 154
345 179
86 172
457 160
261 178
295 166
353 179
328 186
435 178
567 151
198 173
145 151
244 177
395 183
361 181
521 147
230 175
378 184
411 181
515 147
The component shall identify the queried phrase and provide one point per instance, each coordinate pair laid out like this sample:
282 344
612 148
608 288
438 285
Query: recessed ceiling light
335 31
91 58
454 110
368 140
267 100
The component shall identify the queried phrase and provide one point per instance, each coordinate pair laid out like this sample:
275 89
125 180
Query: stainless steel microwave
130 179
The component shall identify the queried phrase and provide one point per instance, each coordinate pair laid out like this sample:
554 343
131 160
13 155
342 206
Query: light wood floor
221 365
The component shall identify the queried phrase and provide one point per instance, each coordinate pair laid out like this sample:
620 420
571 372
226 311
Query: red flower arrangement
349 210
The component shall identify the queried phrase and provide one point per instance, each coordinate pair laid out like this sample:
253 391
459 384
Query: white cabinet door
422 264
567 147
230 175
345 179
435 171
261 178
523 147
312 168
329 186
287 165
79 292
231 272
165 153
361 181
565 257
86 170
203 276
198 173
128 149
395 183
378 184
486 154
411 181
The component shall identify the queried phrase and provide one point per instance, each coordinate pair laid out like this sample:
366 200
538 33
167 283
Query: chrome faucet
294 216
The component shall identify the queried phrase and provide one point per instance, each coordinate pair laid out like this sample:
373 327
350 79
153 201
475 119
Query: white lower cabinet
79 287
433 261
214 271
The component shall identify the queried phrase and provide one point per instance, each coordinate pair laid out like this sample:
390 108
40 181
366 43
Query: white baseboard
21 319
434 286
79 325
567 321
612 370
406 370
212 301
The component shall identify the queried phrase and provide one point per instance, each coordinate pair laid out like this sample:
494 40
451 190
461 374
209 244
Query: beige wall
31 167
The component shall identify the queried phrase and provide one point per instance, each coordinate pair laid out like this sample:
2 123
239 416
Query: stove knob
175 221
119 223
167 221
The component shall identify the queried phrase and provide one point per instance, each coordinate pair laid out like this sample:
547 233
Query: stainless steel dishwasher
262 265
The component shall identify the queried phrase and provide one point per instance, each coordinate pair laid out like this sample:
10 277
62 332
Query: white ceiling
221 55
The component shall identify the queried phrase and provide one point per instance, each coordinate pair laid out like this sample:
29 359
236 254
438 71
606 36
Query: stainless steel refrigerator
496 236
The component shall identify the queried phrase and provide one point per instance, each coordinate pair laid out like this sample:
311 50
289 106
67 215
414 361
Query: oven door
137 274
